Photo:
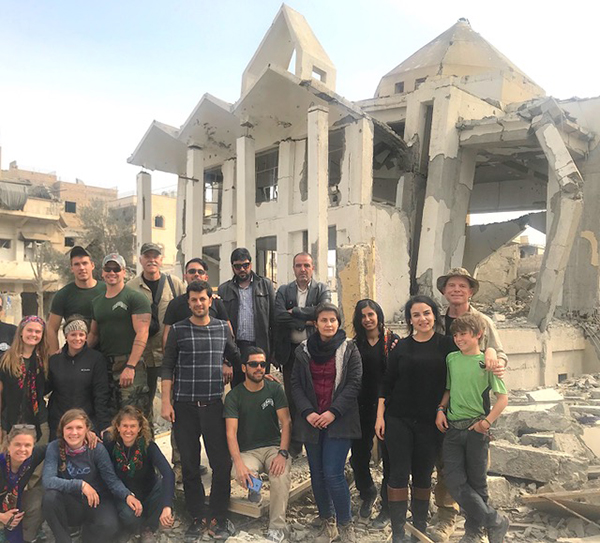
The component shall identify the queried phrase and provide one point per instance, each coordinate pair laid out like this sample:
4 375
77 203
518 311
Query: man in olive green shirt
120 323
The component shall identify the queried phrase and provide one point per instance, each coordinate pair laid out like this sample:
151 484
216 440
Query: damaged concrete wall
497 272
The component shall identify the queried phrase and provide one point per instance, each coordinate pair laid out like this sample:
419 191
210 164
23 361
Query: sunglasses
196 271
255 365
23 426
115 269
243 266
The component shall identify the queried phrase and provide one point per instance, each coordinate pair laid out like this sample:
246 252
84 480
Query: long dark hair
360 334
422 299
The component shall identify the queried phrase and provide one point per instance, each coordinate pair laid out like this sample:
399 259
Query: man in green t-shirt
120 323
76 297
253 412
466 425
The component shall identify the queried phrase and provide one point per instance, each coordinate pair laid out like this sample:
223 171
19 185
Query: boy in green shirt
466 425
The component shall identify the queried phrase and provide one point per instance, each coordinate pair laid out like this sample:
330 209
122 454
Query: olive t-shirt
258 425
72 300
113 316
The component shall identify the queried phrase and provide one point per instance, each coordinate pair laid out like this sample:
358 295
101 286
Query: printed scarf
27 381
130 463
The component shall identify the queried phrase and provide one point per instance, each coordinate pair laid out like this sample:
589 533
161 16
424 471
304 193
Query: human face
467 342
458 290
199 303
327 325
255 374
303 269
242 269
369 319
74 433
151 262
76 340
422 319
195 272
32 333
129 430
21 448
113 274
82 268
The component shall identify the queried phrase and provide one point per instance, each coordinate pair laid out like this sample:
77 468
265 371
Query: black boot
419 507
397 505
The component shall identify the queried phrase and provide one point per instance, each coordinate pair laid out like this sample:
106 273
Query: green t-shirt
258 425
469 384
113 316
72 300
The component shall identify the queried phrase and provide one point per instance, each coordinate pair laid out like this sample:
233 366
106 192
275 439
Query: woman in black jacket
78 378
326 380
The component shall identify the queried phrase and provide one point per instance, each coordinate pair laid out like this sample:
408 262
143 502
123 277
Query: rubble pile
516 300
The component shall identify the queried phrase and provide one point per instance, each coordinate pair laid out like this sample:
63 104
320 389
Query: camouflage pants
136 394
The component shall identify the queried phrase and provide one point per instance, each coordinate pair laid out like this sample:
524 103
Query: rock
545 395
535 464
502 494
505 435
538 418
541 439
577 526
572 445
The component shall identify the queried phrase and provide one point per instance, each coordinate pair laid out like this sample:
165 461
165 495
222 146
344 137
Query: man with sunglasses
74 298
120 323
254 412
7 331
250 303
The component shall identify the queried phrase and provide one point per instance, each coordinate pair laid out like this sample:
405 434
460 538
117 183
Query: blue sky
80 82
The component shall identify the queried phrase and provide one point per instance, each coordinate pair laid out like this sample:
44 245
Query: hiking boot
277 536
471 537
366 507
195 530
347 534
147 536
496 533
328 531
381 520
221 529
445 526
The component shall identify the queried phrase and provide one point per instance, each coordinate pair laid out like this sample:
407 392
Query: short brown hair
468 323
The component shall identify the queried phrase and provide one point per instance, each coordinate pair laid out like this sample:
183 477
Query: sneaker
195 530
366 507
496 533
381 520
276 535
328 531
221 529
347 534
147 536
445 526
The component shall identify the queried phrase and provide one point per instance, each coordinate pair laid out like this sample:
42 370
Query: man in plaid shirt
197 362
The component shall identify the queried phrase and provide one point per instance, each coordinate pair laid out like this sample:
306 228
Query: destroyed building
380 190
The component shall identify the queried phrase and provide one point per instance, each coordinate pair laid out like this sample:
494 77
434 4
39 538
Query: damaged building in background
380 191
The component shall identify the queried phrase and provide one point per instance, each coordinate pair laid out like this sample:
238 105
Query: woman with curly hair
23 372
81 485
137 459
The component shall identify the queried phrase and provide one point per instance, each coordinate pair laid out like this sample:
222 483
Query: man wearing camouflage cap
458 287
120 322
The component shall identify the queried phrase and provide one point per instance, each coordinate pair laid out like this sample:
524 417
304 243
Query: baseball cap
78 250
150 247
114 257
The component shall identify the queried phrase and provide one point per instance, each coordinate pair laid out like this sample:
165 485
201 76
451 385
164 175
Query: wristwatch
284 453
130 366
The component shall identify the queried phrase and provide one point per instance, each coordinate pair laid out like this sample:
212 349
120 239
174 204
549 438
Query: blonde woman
23 372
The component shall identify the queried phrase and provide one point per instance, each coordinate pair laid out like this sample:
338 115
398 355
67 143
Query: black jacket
344 404
286 298
264 311
80 381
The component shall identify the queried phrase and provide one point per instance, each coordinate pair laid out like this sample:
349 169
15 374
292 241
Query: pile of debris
516 300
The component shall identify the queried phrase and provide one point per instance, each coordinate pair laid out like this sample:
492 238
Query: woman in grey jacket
326 381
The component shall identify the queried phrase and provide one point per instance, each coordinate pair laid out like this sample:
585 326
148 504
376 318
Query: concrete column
284 258
180 221
359 151
143 213
225 271
285 178
318 198
194 206
246 194
227 196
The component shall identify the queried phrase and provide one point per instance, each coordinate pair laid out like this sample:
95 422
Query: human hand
166 518
277 466
11 518
91 439
135 505
380 428
441 422
242 474
499 369
167 412
127 376
90 493
480 426
325 419
227 373
270 377
312 419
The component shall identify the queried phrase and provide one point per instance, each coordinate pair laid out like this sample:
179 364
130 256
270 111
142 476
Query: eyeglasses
255 365
243 266
114 269
196 271
23 426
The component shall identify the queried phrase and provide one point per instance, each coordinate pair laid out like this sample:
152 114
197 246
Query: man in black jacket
249 300
295 306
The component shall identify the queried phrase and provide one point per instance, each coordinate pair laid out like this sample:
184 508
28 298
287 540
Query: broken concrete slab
536 418
572 445
587 409
540 439
545 395
502 494
534 464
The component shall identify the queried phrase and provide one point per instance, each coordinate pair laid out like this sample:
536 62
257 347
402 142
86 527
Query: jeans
192 422
326 460
412 447
62 510
465 454
152 505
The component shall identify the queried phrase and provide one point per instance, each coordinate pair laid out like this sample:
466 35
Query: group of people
425 397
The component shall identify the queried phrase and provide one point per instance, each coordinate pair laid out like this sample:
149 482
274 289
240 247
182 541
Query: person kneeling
136 458
79 482
253 411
